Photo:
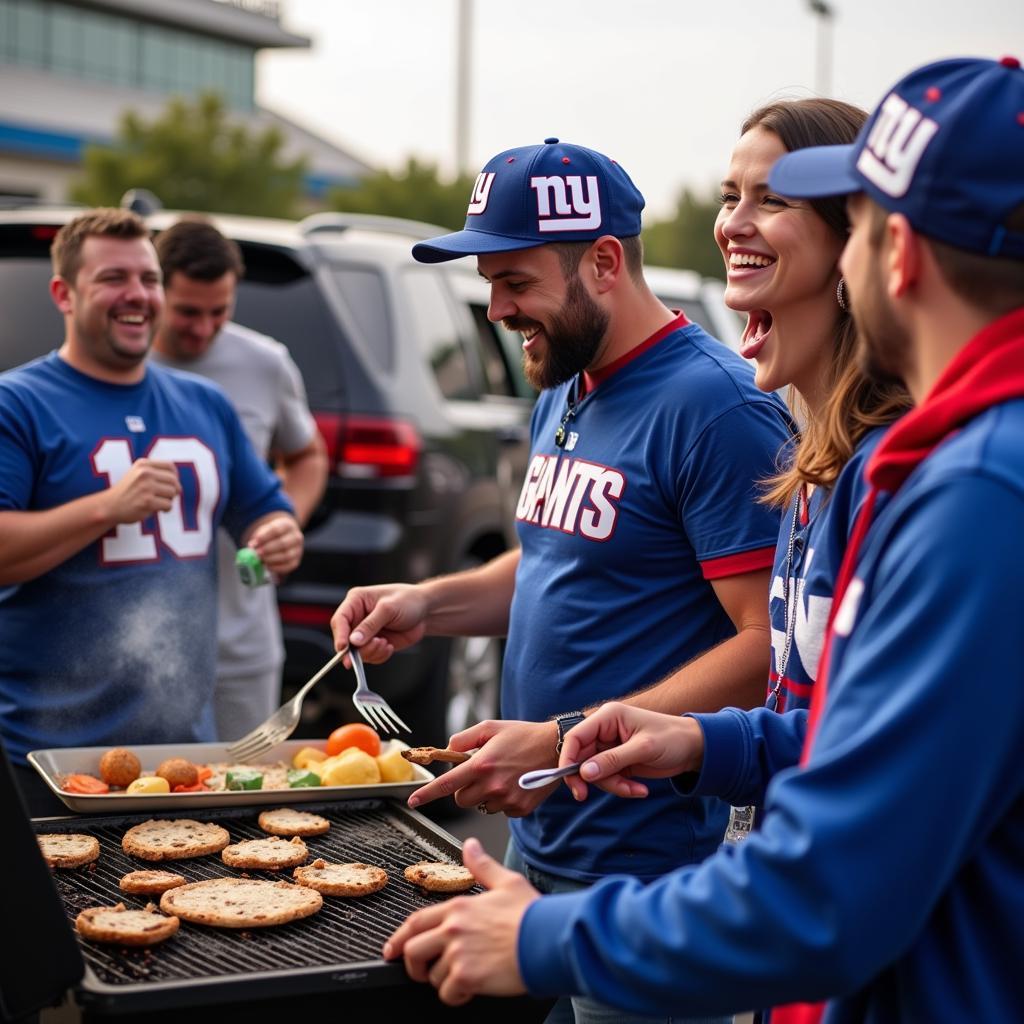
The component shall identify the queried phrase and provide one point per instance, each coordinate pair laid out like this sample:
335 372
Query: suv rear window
279 297
438 333
29 322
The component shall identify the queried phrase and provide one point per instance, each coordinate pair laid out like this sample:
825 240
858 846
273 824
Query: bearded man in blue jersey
887 876
644 554
114 475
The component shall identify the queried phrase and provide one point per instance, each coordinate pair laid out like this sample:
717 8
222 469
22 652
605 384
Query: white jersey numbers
186 535
128 543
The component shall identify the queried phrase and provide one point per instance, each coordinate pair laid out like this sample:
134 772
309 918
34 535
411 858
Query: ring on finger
482 808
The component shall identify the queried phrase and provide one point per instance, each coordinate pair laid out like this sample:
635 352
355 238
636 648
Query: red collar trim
591 378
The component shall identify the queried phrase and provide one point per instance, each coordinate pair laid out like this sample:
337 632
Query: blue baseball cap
945 148
539 194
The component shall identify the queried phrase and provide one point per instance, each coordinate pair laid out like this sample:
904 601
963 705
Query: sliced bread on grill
174 839
240 902
68 849
125 927
342 879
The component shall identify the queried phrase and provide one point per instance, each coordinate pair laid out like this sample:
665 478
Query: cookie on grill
68 849
267 854
440 876
285 822
240 902
174 839
341 879
151 881
125 927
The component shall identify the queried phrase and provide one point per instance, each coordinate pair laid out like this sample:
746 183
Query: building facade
70 68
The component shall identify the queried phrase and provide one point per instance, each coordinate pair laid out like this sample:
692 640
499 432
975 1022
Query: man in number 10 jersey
114 475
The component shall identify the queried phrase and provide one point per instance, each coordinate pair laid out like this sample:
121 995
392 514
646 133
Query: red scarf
987 371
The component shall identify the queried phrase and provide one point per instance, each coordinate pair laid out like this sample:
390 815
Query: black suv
422 404
423 409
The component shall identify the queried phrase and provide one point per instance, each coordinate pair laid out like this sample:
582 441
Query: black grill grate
340 945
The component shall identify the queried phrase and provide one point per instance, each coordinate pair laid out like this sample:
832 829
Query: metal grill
340 945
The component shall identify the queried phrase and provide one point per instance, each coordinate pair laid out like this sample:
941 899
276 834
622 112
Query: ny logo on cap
895 146
574 201
481 192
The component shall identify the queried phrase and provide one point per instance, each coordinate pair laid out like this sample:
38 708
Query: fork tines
253 744
381 716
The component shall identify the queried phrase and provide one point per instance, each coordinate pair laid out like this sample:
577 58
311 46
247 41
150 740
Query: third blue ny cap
945 148
533 195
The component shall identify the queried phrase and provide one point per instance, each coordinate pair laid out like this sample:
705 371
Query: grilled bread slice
174 839
267 854
283 821
125 927
151 881
440 876
342 879
240 902
68 849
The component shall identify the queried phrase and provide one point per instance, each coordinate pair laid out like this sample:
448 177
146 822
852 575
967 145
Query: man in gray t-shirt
201 272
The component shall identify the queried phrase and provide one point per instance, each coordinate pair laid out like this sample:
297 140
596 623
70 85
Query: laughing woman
782 257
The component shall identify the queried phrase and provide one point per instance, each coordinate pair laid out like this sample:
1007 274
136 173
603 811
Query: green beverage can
251 570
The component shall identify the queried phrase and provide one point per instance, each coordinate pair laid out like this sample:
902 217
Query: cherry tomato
84 784
353 735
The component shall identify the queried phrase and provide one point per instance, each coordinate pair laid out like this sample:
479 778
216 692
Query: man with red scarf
888 873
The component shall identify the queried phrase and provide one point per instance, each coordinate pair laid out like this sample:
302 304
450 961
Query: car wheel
474 679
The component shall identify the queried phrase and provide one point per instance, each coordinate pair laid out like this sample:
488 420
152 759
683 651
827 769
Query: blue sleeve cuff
543 959
725 752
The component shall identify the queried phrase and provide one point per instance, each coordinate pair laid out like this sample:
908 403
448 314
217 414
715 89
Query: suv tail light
370 447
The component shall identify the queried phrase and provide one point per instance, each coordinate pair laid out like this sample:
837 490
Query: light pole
463 84
823 49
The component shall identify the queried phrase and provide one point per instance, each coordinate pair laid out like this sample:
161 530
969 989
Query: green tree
415 192
687 240
194 158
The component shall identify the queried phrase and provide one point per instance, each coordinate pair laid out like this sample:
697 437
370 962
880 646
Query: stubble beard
884 346
574 337
108 351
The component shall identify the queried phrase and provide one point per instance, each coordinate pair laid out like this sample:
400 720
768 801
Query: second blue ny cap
945 148
533 195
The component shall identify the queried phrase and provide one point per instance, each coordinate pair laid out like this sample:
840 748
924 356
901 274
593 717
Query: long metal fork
372 706
281 724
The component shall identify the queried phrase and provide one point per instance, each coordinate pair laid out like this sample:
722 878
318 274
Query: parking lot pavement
490 829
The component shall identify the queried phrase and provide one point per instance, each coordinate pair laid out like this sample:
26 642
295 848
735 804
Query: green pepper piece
245 779
298 777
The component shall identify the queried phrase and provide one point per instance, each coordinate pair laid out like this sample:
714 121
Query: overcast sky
661 85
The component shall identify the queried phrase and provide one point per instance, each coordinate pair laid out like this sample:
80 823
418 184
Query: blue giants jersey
818 548
653 495
117 644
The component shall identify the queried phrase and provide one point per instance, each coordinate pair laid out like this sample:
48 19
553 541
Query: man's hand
149 486
380 620
278 541
619 740
490 778
467 946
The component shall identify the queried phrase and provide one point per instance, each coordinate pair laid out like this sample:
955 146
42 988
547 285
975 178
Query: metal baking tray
56 762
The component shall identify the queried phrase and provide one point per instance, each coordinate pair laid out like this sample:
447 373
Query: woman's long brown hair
857 403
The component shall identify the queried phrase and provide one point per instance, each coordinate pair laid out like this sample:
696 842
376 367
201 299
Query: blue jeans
579 1009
